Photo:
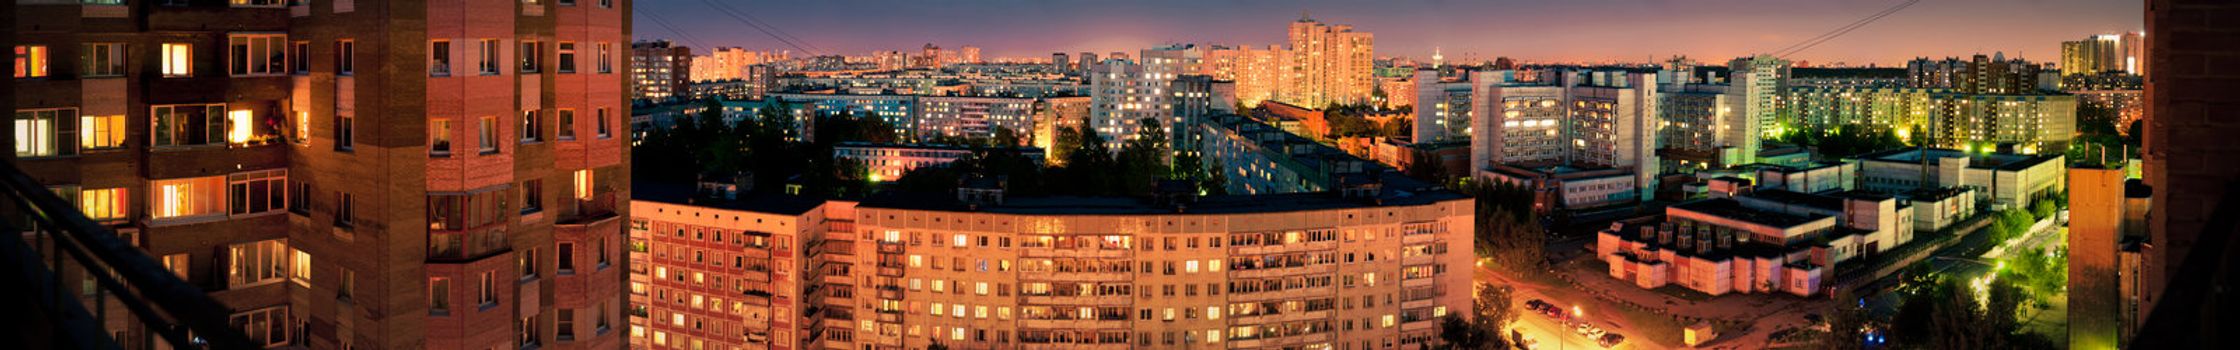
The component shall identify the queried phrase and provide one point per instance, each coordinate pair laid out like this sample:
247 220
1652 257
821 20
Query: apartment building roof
1732 209
1995 161
685 194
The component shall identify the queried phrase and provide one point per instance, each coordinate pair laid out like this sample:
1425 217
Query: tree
1005 137
1089 167
1492 312
1506 231
1847 324
1143 158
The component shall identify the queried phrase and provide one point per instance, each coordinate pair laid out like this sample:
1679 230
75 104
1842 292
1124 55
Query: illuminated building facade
660 70
231 142
1333 64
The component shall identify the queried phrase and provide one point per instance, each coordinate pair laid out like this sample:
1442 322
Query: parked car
1611 340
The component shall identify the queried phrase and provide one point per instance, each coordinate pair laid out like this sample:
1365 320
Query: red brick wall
2193 109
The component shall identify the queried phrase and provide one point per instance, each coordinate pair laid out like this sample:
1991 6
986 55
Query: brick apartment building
343 173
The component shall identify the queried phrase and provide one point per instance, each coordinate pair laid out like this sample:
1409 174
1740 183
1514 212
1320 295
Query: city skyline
1461 31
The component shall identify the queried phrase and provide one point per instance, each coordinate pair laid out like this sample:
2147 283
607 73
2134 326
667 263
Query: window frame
345 56
275 183
102 60
487 137
60 134
439 58
176 60
33 61
439 137
214 125
567 57
243 50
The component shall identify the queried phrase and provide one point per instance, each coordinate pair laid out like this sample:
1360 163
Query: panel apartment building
1333 270
347 174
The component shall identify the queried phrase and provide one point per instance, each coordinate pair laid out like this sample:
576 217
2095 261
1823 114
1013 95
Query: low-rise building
887 162
1752 240
1998 179
1814 177
1560 187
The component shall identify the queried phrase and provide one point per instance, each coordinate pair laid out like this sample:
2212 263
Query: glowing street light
1577 312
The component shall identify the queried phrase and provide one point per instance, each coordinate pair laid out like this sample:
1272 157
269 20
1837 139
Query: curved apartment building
1333 270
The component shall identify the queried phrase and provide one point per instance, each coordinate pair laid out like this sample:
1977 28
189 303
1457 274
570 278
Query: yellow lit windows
256 3
256 262
300 268
101 132
439 137
188 197
31 61
104 204
178 59
45 132
177 264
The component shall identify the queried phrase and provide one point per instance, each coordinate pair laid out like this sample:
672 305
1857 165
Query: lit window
256 54
256 3
189 197
101 132
256 262
188 125
104 204
41 132
439 137
301 268
31 61
177 264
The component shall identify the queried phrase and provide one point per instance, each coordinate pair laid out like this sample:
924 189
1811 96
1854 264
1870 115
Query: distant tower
1437 59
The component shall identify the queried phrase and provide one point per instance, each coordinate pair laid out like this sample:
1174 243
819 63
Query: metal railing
55 239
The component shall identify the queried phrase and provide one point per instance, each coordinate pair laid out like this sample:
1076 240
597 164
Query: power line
672 29
758 27
1840 31
766 24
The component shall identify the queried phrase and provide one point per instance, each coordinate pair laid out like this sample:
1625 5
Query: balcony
584 211
467 244
60 241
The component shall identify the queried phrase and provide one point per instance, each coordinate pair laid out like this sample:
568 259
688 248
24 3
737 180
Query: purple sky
1529 30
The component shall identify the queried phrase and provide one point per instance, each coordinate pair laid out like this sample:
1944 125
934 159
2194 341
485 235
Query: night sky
1532 31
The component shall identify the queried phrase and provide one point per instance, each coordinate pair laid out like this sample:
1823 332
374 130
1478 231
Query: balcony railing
587 210
55 239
